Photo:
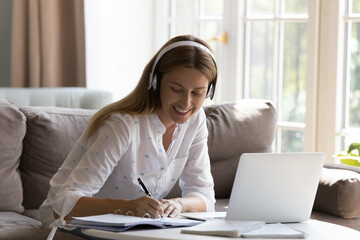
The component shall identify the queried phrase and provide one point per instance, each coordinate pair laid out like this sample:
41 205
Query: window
275 64
351 76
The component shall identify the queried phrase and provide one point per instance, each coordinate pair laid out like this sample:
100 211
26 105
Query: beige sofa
34 141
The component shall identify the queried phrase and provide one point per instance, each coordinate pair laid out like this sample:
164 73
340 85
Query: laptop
275 187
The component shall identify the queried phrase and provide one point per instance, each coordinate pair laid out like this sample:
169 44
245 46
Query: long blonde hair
142 101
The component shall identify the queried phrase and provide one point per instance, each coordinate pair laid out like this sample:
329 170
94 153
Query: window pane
210 29
354 94
260 7
261 60
294 73
356 6
213 7
296 7
185 8
292 141
183 28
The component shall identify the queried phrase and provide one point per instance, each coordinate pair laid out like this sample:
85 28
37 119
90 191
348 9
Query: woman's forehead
187 77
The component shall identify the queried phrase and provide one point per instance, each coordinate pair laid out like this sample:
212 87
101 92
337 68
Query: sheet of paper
276 230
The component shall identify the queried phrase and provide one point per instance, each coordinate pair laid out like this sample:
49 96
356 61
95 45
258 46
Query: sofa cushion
339 193
241 127
51 133
12 132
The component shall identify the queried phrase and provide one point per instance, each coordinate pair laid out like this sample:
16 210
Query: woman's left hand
172 207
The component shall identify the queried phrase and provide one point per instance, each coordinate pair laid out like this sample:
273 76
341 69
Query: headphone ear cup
154 82
210 92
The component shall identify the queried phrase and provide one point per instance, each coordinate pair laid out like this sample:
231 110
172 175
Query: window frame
330 87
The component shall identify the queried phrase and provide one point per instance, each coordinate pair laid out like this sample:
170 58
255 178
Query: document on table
275 230
222 227
118 223
203 216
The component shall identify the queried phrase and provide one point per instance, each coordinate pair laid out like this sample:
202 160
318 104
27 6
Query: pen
144 187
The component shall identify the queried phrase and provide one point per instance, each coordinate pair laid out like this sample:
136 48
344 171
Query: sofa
35 140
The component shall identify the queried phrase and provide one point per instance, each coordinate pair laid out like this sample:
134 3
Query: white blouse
125 148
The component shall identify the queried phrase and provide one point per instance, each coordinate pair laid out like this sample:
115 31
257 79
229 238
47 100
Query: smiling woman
158 132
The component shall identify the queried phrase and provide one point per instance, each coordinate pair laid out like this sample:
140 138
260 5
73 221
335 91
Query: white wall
119 43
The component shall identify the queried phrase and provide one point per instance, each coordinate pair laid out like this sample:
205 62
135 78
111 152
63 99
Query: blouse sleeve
89 164
196 178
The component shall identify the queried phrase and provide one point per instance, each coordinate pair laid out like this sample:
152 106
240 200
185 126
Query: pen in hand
142 184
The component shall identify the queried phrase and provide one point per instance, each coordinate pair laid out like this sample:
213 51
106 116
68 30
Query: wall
5 41
119 43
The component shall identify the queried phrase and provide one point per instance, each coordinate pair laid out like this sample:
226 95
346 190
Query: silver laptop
275 187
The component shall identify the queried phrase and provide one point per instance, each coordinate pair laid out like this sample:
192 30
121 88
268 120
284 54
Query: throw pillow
51 134
12 132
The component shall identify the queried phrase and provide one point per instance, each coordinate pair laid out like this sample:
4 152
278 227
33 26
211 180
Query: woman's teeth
180 110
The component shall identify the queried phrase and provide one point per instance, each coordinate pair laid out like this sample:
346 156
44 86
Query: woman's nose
186 99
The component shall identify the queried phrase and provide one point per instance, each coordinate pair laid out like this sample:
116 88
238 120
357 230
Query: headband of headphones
153 77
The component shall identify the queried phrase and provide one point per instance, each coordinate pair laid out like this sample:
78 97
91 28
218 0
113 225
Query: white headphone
153 77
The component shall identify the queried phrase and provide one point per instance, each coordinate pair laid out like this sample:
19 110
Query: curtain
48 43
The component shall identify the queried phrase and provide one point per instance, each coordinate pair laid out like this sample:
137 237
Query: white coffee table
316 230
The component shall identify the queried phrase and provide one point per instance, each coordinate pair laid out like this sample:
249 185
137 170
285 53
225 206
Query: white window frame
330 87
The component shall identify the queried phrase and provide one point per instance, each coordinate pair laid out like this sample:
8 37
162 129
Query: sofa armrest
339 191
69 97
342 166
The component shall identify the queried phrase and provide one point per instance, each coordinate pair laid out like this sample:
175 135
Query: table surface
316 230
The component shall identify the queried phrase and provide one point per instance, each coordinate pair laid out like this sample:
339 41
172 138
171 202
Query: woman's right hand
87 206
143 206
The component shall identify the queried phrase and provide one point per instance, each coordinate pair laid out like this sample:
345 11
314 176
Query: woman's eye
199 93
177 90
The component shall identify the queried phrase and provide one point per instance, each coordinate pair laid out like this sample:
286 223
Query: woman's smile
182 111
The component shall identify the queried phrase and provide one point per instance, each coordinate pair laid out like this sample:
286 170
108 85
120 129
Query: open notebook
119 223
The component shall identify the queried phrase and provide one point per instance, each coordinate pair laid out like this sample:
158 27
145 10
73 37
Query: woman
157 133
